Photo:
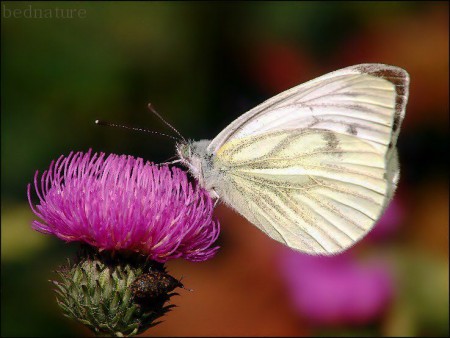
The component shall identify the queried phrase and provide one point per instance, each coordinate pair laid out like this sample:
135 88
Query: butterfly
315 166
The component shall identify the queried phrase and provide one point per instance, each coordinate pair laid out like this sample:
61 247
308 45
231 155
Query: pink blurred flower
122 203
389 223
338 289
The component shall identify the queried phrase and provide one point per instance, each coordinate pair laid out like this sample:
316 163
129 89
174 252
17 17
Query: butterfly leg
216 196
172 162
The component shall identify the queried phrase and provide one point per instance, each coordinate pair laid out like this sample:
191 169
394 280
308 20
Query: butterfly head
194 156
184 151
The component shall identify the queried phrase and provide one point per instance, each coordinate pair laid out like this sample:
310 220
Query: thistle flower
131 217
122 203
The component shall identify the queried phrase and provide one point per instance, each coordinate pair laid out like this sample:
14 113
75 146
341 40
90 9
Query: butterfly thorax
195 156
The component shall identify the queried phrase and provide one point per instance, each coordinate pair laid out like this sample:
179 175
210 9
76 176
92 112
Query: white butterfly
315 166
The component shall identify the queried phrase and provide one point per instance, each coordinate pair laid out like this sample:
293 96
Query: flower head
390 221
115 294
124 203
337 289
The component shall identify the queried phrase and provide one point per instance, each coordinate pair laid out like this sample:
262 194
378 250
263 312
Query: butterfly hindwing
313 190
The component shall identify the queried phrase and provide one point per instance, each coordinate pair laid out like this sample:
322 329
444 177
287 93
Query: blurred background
201 65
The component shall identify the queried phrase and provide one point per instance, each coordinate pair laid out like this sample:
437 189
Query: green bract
97 290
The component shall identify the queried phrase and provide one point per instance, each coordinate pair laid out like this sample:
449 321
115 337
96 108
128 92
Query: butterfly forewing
366 100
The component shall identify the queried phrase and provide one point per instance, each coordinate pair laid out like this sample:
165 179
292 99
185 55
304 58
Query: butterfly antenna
150 107
109 124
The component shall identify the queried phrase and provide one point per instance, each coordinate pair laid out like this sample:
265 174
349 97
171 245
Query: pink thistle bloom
122 203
